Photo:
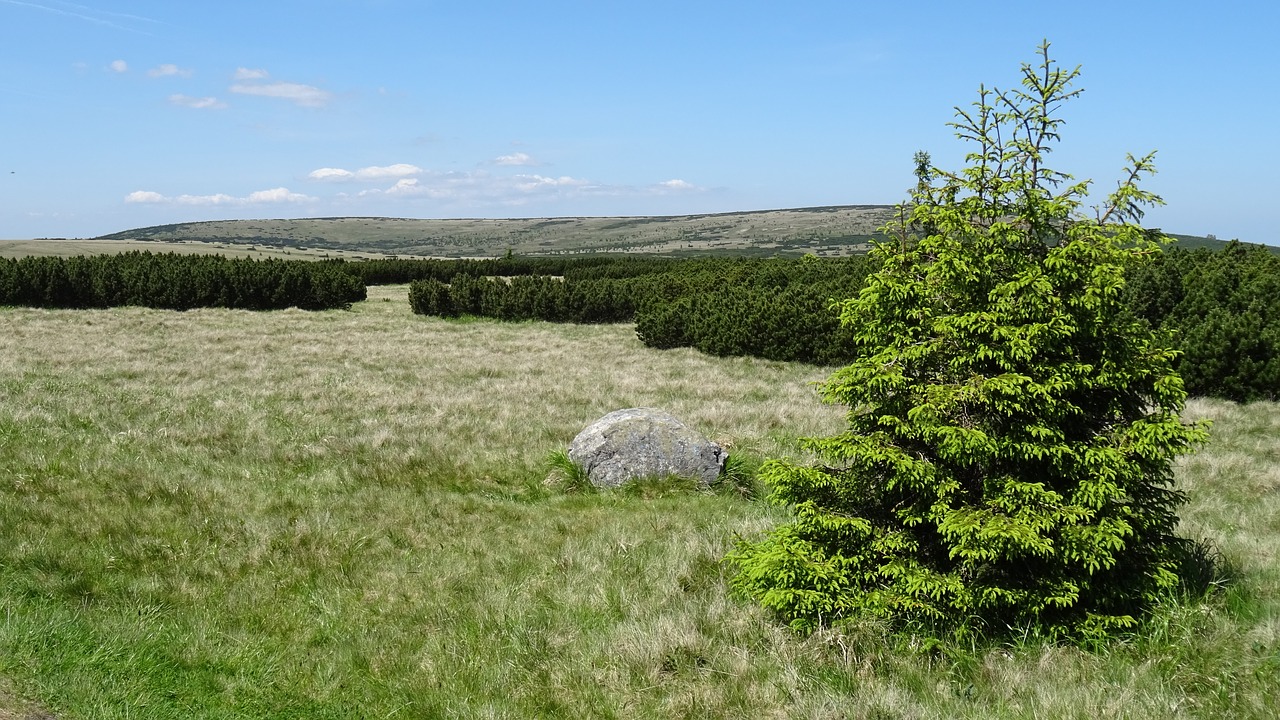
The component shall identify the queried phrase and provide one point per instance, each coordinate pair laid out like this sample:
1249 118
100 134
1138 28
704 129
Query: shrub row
1220 308
680 302
177 282
782 321
537 297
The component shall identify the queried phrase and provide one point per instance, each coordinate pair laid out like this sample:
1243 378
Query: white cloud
145 196
514 159
372 173
452 185
219 199
408 187
299 94
261 197
119 66
169 70
277 195
402 185
480 188
535 182
331 174
204 103
468 191
677 185
399 170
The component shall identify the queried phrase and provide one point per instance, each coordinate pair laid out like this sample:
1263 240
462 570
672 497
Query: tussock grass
347 514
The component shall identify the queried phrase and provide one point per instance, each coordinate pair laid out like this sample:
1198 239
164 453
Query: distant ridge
831 230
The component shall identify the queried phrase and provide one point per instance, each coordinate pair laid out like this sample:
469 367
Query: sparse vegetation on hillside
840 230
823 231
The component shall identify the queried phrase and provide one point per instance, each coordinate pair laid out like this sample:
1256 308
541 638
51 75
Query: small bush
431 297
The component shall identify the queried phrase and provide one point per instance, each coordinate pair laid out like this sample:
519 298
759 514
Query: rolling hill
824 231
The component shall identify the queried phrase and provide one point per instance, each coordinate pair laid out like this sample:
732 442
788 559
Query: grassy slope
831 231
343 514
825 230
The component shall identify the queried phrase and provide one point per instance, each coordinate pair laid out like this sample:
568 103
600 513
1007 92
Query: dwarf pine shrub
175 282
1011 427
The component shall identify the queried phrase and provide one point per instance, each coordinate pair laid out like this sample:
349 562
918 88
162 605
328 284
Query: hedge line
1221 308
526 298
771 308
176 282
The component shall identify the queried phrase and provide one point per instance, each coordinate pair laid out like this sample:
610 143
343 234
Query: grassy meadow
348 514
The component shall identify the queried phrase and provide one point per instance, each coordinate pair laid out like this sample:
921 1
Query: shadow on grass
1203 569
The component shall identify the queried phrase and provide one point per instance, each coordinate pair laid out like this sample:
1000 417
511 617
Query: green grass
225 514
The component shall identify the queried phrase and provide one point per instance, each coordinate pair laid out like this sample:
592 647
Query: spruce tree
1011 427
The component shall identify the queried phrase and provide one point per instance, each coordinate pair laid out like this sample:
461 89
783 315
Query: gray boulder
639 443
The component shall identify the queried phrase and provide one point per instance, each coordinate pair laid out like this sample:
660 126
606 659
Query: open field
227 514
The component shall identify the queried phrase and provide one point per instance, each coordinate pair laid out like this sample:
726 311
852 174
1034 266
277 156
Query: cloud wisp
168 70
303 95
118 66
412 186
201 103
80 12
480 188
254 82
518 158
676 185
273 196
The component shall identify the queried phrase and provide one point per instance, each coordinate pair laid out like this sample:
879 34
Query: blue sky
118 114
